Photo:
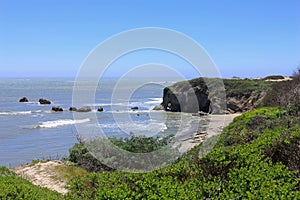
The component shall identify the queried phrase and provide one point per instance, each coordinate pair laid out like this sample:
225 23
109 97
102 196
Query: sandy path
43 174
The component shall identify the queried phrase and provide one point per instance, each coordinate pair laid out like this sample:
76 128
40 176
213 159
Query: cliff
205 95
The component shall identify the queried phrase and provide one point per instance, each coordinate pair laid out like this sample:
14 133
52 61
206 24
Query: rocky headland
216 96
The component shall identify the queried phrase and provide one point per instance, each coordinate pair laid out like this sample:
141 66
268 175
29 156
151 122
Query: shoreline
216 122
45 173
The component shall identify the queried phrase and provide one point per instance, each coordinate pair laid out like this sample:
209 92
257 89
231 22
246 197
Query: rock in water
57 109
159 107
84 109
100 109
135 108
24 99
72 109
44 101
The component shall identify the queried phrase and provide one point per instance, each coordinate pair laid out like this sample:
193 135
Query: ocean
30 131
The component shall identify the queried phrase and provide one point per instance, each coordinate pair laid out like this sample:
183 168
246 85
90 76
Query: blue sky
49 38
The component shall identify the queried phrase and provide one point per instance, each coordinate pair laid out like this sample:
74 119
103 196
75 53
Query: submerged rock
24 99
57 109
44 101
84 109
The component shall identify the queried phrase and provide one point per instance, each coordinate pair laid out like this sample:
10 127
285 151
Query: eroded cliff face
194 95
186 97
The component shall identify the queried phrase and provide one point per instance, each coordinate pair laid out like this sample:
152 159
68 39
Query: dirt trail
43 174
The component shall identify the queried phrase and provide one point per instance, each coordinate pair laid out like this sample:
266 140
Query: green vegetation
244 87
80 155
273 77
14 187
68 171
249 161
257 156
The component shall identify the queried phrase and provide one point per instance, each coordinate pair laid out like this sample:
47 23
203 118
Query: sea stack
84 109
44 101
72 109
24 99
57 109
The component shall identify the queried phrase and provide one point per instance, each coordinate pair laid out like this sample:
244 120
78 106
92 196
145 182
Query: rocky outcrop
84 109
57 109
24 99
158 107
72 109
186 96
44 101
194 96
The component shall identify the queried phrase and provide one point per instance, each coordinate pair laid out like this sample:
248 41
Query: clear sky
49 38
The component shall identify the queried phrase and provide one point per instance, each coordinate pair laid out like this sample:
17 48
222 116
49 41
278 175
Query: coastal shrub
274 77
284 93
243 169
14 187
80 154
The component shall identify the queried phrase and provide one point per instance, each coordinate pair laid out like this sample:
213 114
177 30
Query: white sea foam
53 124
31 102
16 113
154 101
140 128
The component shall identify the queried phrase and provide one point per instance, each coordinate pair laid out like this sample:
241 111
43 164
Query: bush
242 169
80 154
273 77
14 187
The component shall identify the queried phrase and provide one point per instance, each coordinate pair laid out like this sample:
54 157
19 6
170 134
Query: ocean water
31 131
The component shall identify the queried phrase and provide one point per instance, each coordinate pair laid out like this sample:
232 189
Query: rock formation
193 96
44 101
186 96
72 109
24 99
57 109
84 109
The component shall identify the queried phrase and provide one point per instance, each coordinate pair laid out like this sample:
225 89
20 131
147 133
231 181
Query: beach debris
44 101
24 99
84 109
57 109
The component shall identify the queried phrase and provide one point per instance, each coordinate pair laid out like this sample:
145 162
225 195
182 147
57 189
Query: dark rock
84 109
44 101
187 96
159 107
100 109
24 99
57 109
72 109
135 108
223 96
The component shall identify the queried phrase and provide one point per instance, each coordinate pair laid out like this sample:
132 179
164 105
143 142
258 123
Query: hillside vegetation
255 157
